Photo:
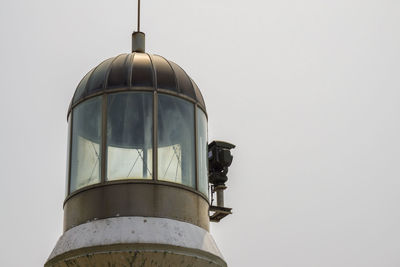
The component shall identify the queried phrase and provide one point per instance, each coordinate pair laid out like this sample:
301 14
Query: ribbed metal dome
137 71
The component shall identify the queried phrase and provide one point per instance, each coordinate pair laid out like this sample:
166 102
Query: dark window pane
202 147
129 136
176 161
86 139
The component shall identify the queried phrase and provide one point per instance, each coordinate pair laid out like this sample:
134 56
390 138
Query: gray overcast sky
309 92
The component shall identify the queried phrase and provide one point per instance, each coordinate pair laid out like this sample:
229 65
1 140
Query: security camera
219 159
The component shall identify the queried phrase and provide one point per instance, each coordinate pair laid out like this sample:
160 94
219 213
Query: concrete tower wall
136 241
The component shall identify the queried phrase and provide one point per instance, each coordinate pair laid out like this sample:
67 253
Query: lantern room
137 129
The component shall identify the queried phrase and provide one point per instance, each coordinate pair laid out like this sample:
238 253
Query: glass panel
176 140
129 136
202 147
86 139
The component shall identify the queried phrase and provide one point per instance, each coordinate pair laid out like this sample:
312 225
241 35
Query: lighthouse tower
137 190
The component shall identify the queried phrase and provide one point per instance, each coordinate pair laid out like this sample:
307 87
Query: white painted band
136 230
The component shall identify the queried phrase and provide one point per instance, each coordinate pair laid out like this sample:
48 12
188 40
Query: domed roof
137 71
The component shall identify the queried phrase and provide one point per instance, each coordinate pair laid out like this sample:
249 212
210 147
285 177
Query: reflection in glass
202 148
129 136
86 139
176 161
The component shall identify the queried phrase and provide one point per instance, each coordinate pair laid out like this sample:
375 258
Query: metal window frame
196 149
70 131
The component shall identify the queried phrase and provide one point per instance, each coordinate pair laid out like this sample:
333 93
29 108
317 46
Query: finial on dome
138 42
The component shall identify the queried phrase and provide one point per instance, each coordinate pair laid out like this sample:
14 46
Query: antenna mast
138 37
138 16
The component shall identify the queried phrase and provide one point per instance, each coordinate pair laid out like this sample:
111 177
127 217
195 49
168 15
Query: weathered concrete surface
143 257
136 241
